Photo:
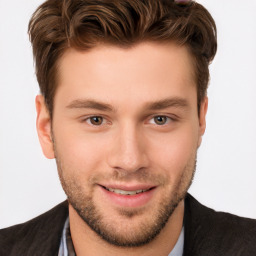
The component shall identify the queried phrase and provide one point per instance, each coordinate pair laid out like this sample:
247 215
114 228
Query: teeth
123 192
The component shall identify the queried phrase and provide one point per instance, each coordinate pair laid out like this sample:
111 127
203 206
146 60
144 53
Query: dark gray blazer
207 233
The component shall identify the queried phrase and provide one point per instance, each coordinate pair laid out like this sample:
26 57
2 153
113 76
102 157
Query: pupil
96 120
160 120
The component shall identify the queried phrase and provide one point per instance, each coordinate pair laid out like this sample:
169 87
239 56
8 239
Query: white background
226 173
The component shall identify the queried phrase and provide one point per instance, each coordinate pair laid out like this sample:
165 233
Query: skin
147 134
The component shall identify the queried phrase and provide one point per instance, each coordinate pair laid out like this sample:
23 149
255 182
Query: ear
202 119
43 126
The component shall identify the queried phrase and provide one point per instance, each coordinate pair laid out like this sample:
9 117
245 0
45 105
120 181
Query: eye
95 120
160 120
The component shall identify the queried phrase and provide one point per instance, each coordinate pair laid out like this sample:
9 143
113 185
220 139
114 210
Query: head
123 107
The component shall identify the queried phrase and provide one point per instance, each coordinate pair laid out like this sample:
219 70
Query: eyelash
168 119
104 121
89 119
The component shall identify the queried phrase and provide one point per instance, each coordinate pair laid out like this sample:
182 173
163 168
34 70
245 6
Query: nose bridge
128 151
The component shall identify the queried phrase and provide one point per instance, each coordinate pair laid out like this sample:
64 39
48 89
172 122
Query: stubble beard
108 231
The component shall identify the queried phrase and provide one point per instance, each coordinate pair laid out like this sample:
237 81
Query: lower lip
137 200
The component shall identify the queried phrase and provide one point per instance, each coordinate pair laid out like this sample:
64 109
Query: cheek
174 151
79 153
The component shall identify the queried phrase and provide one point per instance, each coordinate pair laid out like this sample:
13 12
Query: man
122 110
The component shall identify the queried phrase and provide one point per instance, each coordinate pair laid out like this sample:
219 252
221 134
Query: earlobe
43 126
202 119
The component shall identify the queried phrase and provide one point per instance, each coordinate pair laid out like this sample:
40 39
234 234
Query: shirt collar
67 248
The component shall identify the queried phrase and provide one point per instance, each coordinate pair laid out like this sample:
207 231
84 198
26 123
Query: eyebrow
91 104
157 105
167 103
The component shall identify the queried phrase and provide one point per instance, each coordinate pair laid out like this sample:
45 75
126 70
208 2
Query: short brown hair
60 24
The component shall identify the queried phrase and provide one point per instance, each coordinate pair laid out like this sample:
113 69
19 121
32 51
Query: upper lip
128 187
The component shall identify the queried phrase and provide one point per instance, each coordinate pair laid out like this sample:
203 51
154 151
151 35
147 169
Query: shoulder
217 233
41 233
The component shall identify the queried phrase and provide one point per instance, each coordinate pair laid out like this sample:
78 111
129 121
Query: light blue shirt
66 247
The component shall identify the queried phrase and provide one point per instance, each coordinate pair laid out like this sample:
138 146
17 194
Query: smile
128 196
124 192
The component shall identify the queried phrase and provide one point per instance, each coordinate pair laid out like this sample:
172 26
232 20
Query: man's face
126 131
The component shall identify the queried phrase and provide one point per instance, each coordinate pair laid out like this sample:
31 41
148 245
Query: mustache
141 175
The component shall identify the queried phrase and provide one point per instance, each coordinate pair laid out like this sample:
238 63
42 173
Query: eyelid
169 119
86 119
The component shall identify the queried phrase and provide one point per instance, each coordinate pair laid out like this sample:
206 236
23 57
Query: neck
87 242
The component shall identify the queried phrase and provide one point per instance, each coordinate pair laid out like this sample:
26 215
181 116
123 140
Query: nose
127 151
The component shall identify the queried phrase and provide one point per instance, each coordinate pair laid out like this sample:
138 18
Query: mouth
127 192
128 196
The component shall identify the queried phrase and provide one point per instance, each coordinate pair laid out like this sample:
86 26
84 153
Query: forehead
145 72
